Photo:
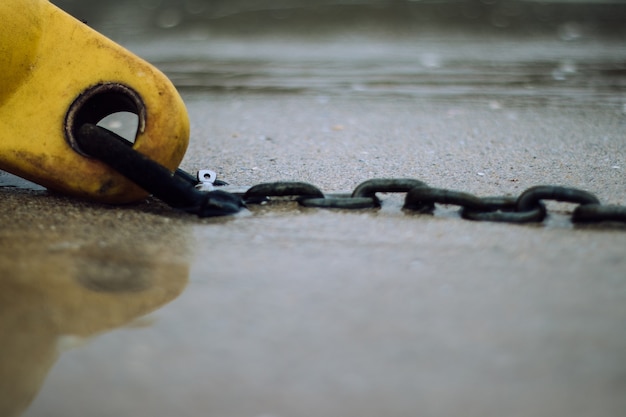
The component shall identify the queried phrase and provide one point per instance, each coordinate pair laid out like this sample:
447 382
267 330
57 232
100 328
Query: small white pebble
482 174
615 167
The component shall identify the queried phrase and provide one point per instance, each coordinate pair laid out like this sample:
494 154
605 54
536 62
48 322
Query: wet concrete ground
288 311
292 311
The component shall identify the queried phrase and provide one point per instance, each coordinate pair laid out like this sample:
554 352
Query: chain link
598 213
364 196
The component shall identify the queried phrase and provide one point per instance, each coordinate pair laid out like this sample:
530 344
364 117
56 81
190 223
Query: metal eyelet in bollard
58 75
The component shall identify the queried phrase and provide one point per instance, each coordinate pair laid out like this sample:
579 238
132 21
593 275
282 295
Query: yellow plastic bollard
57 74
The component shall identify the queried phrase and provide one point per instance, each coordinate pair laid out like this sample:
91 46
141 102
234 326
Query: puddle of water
276 322
67 275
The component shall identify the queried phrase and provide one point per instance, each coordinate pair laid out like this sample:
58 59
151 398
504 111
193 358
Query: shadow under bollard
72 275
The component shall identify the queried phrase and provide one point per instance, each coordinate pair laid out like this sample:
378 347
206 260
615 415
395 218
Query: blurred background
500 52
569 17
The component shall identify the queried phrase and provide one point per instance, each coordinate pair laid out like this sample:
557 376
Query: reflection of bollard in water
46 298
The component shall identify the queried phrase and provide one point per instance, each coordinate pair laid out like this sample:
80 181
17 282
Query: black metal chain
178 190
420 198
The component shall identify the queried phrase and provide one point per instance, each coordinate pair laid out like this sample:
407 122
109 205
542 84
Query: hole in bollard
123 124
113 106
